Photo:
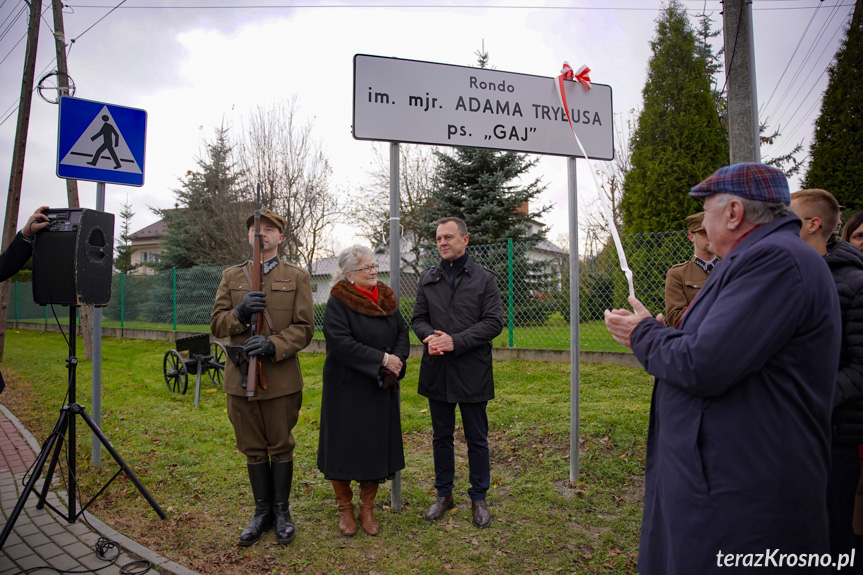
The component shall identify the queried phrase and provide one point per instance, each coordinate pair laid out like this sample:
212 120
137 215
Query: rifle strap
267 317
262 375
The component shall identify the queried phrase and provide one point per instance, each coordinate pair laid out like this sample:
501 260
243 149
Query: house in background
323 270
147 247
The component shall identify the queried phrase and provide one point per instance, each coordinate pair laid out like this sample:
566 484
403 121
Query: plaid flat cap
753 181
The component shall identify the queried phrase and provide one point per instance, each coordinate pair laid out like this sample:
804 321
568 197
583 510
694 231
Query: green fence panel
533 281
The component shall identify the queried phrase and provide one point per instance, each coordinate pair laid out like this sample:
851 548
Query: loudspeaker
73 258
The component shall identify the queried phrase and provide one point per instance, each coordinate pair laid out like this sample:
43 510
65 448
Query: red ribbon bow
581 76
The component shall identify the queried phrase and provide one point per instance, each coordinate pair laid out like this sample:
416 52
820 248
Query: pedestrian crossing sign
101 142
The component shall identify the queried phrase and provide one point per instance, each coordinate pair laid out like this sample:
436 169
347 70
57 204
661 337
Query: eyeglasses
367 269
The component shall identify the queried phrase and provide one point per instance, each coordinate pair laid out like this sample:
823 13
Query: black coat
15 256
472 314
12 260
846 264
361 435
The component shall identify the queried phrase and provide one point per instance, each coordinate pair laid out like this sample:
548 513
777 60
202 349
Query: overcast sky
194 64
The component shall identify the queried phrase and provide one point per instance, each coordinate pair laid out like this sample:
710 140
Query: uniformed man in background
683 280
263 424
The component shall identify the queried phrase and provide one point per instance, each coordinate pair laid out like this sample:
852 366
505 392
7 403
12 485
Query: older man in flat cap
263 424
738 450
684 280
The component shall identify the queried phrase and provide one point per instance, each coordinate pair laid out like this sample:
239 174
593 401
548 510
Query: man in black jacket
820 213
19 251
20 248
457 314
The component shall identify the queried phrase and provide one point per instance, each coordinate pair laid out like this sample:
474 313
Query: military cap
693 223
275 218
752 181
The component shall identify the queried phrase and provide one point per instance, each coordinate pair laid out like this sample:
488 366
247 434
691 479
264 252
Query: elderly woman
367 345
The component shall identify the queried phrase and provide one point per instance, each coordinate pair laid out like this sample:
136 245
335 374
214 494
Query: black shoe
285 531
481 516
439 508
259 525
262 488
283 473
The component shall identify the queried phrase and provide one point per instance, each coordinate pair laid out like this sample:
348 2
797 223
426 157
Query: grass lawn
187 459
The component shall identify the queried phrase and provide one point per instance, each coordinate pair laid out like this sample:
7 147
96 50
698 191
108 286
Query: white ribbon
603 200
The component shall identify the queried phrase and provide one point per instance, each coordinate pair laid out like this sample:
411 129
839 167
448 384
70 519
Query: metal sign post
102 143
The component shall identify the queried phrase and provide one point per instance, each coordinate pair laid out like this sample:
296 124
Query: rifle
257 318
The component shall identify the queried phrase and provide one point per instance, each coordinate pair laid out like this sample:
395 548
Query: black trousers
841 492
475 423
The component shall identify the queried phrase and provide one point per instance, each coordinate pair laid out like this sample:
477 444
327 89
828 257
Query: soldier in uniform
263 424
683 280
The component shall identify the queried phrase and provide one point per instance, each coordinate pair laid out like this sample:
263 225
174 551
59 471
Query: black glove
259 345
253 302
387 379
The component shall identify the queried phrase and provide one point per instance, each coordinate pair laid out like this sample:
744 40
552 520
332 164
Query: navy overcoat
739 439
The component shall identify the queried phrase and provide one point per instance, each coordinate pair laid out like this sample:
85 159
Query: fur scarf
346 293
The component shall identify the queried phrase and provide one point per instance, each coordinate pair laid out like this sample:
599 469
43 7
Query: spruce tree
207 225
836 163
679 139
480 186
123 251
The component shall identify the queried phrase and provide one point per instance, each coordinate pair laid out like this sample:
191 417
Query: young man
263 424
457 313
820 214
683 280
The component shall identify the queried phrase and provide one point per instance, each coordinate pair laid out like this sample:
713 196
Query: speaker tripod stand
65 429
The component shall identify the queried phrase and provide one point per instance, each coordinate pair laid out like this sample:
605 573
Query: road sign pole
96 408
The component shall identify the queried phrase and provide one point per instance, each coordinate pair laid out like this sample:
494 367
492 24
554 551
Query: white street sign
426 103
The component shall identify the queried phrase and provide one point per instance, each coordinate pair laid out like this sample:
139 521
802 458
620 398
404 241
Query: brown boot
367 508
344 497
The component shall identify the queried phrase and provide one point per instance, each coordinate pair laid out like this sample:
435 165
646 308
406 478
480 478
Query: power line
97 21
418 6
12 23
799 42
811 85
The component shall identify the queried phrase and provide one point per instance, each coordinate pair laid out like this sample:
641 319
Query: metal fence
533 281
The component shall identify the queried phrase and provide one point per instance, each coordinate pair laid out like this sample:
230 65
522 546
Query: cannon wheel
216 366
176 374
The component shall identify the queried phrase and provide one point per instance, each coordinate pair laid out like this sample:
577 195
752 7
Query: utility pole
16 177
63 82
743 129
71 185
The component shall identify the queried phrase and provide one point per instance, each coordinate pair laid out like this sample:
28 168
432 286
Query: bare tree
611 175
278 152
417 166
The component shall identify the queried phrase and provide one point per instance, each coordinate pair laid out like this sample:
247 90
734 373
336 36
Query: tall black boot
283 474
262 488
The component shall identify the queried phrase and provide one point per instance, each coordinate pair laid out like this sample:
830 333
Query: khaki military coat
289 305
682 283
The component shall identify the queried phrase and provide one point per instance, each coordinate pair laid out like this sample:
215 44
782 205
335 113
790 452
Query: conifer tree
836 163
679 139
207 225
482 187
486 189
123 251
